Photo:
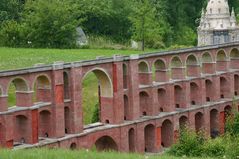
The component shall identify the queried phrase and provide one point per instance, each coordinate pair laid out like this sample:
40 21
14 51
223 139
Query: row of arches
167 132
192 67
40 91
179 93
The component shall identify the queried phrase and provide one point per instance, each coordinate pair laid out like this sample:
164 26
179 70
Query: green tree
50 23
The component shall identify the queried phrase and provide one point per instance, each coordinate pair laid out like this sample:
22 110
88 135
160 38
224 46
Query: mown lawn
77 154
15 58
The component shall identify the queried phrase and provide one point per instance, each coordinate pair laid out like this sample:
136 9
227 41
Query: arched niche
106 143
42 89
17 89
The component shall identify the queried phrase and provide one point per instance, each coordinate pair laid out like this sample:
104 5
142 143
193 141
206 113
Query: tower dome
218 7
217 25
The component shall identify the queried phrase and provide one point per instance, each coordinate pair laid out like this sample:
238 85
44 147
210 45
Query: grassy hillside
68 154
12 58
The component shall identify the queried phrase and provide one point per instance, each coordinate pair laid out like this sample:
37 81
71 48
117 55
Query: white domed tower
217 25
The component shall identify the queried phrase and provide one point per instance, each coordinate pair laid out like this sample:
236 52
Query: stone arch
149 138
159 64
234 54
144 102
194 94
20 84
178 96
199 121
176 62
101 88
21 129
66 85
167 132
222 64
42 88
144 73
106 143
17 87
131 140
191 60
143 67
192 64
160 74
162 96
73 146
126 108
67 120
208 66
234 58
209 90
236 85
221 56
207 58
45 123
183 122
125 76
105 82
224 88
214 123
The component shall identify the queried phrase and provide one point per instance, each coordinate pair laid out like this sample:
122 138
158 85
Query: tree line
53 23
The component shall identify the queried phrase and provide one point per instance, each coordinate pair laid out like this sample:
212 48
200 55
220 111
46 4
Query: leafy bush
214 147
189 144
232 149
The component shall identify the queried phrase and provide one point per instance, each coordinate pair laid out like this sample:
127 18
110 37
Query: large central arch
97 84
105 82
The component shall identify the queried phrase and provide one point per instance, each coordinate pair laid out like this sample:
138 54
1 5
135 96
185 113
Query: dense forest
53 23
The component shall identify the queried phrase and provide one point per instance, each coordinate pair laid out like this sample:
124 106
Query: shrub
214 147
232 148
189 144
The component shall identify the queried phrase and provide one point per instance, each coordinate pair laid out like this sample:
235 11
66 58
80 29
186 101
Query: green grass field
15 58
68 154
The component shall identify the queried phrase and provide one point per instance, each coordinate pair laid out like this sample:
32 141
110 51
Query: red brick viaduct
144 100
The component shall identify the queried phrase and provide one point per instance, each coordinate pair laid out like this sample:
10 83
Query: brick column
133 88
76 111
206 118
158 139
24 98
222 122
216 89
35 126
6 132
186 102
155 103
118 94
170 95
58 100
3 103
